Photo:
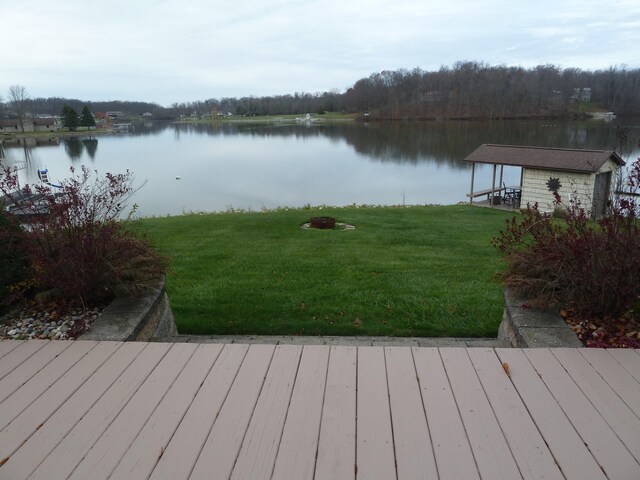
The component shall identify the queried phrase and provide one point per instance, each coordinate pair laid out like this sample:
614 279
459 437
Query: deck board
221 448
176 460
299 443
19 400
375 456
629 360
572 456
414 453
337 442
609 404
448 437
118 416
595 432
30 367
624 384
89 402
145 416
490 449
182 411
527 445
258 452
18 356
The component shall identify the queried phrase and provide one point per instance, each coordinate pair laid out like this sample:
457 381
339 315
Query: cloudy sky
169 51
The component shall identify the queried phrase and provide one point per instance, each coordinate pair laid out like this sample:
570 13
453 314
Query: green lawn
417 271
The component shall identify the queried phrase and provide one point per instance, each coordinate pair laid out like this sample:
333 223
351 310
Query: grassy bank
424 271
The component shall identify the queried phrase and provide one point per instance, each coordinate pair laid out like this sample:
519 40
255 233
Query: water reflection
73 147
254 166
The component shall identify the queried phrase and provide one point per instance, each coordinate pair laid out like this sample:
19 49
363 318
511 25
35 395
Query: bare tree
18 98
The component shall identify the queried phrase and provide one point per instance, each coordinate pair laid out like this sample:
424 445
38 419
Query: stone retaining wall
135 318
529 328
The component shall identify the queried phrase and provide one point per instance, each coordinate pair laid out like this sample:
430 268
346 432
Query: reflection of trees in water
446 143
91 145
73 147
442 143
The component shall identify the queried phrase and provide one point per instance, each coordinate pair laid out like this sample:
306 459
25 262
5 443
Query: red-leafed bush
75 241
593 266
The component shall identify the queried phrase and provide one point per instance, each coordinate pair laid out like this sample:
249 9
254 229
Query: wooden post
501 171
493 184
473 174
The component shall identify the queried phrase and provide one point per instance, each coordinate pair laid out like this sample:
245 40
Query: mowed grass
415 271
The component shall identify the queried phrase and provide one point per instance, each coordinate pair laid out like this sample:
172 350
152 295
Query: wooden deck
94 410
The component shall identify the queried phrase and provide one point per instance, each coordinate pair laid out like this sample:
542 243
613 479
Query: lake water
194 168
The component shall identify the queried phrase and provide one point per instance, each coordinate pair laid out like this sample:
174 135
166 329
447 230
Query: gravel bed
47 323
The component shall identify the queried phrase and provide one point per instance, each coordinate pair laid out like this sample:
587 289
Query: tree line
465 90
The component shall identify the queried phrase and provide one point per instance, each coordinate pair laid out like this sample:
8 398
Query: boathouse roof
543 158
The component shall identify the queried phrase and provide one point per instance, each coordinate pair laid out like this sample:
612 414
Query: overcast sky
167 51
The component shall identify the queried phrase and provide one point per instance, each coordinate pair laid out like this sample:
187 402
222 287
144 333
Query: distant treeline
464 90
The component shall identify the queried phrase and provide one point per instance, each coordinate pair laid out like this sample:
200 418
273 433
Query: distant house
9 125
147 115
585 176
43 125
12 125
115 114
582 95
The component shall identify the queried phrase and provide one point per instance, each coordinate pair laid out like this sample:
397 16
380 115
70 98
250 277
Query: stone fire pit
322 222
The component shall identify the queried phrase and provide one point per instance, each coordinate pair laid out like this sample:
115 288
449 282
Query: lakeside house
12 125
577 175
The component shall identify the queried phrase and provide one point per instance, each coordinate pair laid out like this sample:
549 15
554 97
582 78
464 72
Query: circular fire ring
323 223
326 223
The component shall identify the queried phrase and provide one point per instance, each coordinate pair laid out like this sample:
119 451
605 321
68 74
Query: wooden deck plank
414 453
565 444
490 449
19 400
337 442
258 452
609 404
527 445
118 371
18 356
298 446
110 410
29 419
121 411
625 385
30 367
221 448
142 455
176 461
605 446
7 345
451 447
374 444
629 359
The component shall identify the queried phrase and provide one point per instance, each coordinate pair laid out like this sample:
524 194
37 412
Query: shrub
591 265
79 246
13 257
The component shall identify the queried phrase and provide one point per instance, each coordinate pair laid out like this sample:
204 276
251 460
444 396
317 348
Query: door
601 194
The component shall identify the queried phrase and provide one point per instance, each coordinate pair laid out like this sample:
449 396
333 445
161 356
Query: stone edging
135 318
530 328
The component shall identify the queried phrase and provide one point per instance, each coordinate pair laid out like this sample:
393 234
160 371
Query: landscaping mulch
54 321
622 332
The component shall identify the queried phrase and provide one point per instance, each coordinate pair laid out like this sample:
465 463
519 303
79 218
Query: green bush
13 256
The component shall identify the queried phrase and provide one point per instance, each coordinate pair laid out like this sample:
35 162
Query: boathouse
578 175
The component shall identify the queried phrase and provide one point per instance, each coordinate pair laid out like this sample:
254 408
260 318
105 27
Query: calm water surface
194 168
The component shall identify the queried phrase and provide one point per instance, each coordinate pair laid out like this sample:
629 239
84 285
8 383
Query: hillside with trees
465 90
